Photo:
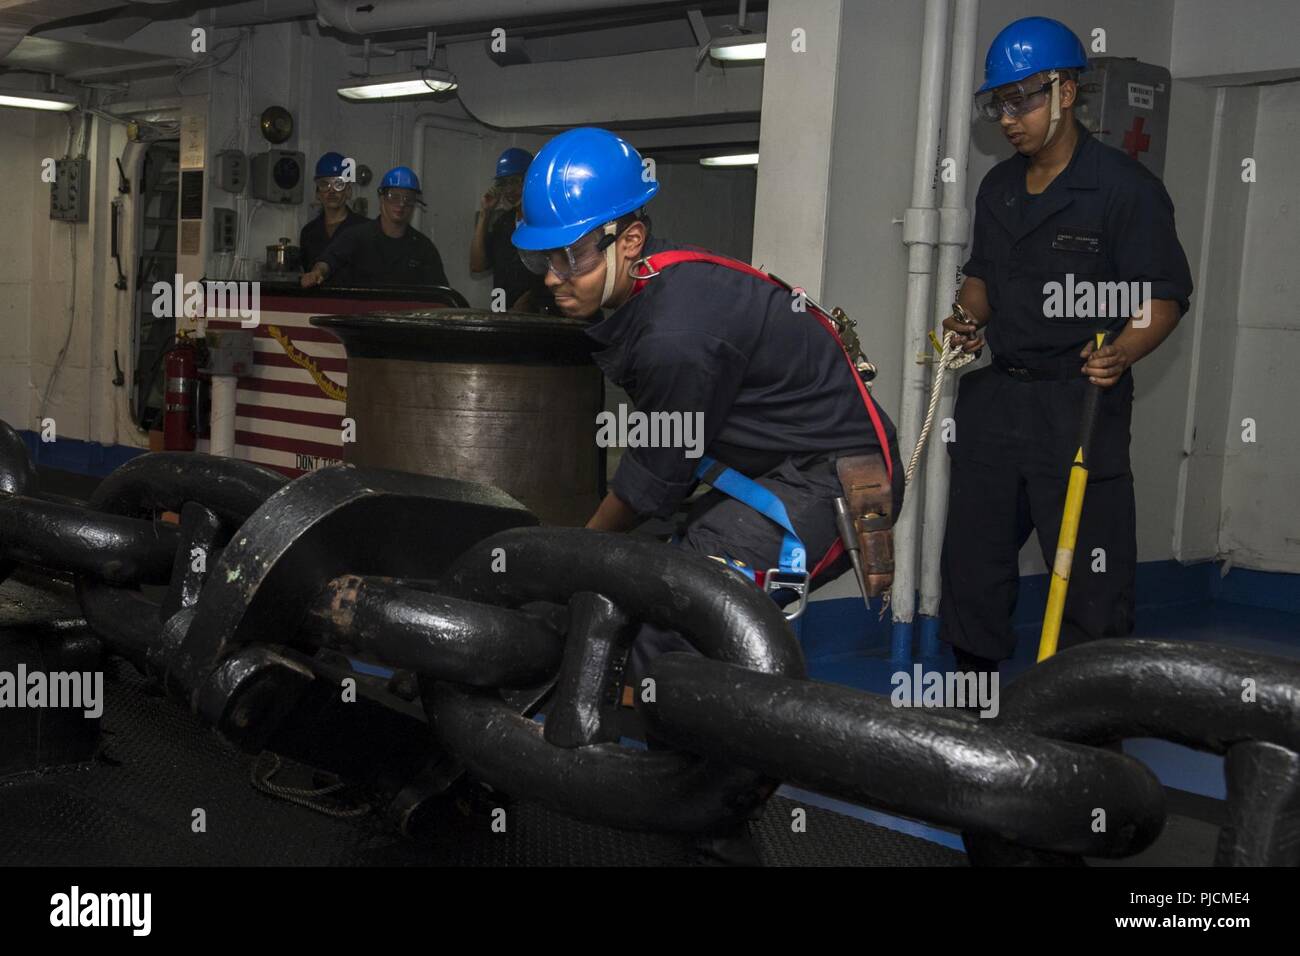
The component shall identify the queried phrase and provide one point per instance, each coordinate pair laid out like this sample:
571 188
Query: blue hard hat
1031 46
513 162
400 177
330 164
580 180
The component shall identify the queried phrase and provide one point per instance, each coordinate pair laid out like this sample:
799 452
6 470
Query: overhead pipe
256 12
522 96
363 17
954 230
920 235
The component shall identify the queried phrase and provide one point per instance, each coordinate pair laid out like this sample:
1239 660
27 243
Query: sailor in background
1064 210
386 251
334 194
491 248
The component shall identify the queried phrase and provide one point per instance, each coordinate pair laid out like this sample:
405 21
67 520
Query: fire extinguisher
181 374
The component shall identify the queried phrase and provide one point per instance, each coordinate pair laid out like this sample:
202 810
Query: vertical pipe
222 427
954 228
920 235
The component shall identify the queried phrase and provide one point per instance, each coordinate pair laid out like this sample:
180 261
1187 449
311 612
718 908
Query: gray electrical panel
277 176
70 191
230 352
232 170
223 229
1126 105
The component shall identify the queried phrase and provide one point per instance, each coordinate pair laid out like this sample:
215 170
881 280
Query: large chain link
452 583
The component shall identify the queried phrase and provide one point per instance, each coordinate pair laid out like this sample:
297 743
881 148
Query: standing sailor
1057 226
334 193
386 251
491 248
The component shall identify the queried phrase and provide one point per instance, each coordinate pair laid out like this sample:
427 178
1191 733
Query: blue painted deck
1253 611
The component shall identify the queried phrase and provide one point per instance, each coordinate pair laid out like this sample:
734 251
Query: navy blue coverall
778 400
1104 219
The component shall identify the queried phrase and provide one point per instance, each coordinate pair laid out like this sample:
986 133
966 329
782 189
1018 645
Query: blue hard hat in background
400 177
330 164
513 162
1030 46
580 180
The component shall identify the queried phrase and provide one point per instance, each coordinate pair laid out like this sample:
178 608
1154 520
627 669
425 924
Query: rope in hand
951 357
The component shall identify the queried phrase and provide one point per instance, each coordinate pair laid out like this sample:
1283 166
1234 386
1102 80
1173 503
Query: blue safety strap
749 492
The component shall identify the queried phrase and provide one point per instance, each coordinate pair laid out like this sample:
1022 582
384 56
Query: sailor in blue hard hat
1064 212
513 285
387 251
767 403
1032 62
583 193
333 192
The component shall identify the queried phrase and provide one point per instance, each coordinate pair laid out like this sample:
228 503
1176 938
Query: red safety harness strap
662 260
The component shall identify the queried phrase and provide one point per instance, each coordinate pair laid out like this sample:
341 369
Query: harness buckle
797 581
650 273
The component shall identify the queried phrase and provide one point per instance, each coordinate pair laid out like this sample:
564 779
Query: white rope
951 358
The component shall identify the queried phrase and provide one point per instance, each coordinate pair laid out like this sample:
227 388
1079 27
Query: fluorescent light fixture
746 46
393 85
37 101
733 159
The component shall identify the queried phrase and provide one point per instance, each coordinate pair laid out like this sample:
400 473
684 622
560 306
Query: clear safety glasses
1011 101
577 259
333 184
401 202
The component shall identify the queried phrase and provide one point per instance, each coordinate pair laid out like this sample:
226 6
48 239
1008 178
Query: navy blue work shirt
313 241
770 381
369 257
508 270
1105 218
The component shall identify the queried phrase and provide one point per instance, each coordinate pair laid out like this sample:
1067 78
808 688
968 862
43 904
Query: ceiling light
37 101
731 159
746 46
393 85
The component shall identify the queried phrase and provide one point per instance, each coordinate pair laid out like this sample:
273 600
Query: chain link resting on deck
243 609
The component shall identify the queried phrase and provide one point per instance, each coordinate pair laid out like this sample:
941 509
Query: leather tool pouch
870 495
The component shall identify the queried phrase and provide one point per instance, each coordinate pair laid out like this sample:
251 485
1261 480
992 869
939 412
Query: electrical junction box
232 170
230 352
70 191
223 229
1126 105
277 176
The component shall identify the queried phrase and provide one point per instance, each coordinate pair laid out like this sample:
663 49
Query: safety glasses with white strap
579 258
1018 100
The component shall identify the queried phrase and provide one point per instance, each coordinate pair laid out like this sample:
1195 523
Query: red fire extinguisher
181 375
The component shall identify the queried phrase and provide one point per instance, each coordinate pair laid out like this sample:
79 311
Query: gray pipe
362 17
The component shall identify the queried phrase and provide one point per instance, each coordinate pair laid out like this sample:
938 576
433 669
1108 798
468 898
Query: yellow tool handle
1060 578
1065 542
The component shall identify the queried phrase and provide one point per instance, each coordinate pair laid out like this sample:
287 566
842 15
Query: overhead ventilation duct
617 92
253 12
363 17
19 19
